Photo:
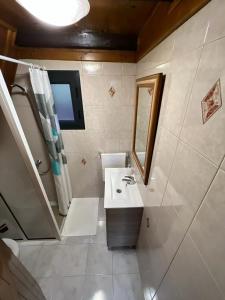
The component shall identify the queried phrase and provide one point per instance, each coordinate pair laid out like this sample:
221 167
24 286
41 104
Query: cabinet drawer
122 228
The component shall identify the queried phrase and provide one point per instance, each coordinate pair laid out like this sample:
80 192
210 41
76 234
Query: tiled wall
108 120
182 253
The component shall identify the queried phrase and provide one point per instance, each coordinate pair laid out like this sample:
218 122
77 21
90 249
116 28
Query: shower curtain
53 137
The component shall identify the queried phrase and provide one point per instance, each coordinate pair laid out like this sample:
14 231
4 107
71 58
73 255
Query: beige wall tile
161 165
216 24
223 165
94 119
112 68
129 69
191 69
108 120
85 179
207 230
125 144
182 72
207 138
92 68
158 243
92 87
158 56
57 64
190 178
192 34
189 277
128 90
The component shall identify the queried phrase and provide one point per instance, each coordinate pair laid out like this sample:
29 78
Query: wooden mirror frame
155 82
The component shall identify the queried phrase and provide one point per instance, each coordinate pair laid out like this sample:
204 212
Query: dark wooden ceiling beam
76 39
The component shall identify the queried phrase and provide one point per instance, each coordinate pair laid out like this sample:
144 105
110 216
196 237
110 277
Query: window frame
73 79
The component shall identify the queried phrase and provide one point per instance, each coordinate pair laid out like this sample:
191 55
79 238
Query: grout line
188 95
207 267
187 231
172 165
190 88
170 172
215 40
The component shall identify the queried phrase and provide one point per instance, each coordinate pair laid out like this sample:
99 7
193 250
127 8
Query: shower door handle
38 162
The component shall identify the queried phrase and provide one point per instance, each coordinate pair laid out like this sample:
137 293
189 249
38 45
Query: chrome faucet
129 180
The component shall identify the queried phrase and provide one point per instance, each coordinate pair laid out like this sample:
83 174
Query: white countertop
128 198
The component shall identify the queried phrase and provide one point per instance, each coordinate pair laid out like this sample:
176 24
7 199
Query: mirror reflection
143 116
147 108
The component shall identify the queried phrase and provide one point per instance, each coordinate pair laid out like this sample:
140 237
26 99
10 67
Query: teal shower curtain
53 137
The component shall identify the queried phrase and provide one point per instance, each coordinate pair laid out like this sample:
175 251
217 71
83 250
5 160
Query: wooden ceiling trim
7 25
75 55
7 36
166 19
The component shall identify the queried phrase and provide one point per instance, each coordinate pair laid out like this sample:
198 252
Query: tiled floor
82 268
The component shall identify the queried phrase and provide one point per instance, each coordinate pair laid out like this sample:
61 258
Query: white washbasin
118 194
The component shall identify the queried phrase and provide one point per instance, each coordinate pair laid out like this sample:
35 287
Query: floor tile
75 239
101 210
46 285
125 262
98 287
30 243
100 237
28 256
46 261
99 260
127 287
68 288
71 260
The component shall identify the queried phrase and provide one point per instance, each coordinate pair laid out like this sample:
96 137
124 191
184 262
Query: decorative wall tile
212 102
207 138
112 91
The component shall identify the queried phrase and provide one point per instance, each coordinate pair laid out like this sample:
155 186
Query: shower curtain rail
13 60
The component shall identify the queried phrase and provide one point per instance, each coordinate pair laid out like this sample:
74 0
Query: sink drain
119 191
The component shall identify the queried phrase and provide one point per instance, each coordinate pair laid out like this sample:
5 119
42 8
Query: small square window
67 95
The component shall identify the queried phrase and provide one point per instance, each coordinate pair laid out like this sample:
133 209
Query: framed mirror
147 108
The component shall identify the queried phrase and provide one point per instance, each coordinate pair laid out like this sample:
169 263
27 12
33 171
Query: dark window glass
63 101
68 99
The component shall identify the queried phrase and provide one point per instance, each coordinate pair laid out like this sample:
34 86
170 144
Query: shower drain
119 191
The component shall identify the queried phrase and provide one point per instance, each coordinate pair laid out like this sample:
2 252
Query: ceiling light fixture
57 12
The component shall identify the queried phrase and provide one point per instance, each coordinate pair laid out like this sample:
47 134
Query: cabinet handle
147 222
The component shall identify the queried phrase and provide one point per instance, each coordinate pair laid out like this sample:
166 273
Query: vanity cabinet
122 226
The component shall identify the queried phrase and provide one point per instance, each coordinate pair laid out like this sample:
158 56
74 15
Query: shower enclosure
25 209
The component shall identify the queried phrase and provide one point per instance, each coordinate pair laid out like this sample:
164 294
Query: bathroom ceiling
111 24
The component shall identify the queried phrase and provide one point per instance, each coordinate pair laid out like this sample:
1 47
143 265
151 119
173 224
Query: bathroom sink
119 194
124 208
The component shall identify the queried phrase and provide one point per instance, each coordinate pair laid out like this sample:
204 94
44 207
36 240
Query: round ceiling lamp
57 12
